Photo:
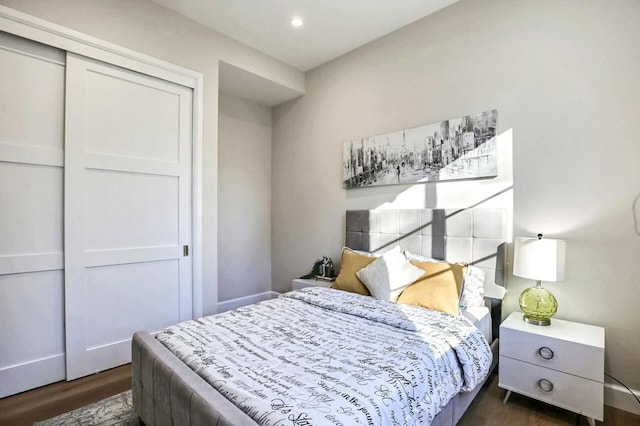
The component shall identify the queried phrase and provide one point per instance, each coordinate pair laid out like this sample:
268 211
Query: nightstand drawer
563 390
562 355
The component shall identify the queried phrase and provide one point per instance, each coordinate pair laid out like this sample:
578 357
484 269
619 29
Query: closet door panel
145 124
26 319
32 87
113 318
31 207
127 210
130 218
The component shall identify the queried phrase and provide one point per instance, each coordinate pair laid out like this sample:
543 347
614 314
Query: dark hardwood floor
49 401
486 410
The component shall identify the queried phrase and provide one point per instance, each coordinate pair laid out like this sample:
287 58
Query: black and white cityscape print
459 148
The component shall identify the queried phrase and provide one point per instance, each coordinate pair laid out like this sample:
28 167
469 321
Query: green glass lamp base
538 305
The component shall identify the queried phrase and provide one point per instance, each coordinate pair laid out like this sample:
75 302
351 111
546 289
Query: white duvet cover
326 357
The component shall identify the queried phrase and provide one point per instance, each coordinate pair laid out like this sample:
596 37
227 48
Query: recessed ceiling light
296 22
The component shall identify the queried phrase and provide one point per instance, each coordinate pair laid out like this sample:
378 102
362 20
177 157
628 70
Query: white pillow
473 288
387 276
419 258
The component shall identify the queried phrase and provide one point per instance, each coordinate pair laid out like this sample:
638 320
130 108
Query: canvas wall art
459 148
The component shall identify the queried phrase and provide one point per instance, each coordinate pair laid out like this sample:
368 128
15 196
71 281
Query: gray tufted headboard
475 235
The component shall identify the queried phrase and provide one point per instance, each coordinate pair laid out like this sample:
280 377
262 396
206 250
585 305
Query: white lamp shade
539 259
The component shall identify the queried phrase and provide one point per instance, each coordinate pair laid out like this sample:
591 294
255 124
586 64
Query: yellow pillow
347 280
438 289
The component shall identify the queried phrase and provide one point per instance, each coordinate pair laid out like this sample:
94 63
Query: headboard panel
476 236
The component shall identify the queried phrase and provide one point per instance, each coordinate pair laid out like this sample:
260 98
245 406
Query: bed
191 373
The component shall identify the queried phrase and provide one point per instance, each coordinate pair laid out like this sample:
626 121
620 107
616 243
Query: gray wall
244 198
148 28
564 77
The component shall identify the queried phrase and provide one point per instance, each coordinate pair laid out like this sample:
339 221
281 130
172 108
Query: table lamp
540 260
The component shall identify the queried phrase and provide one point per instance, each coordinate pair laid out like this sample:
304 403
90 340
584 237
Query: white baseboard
227 305
618 397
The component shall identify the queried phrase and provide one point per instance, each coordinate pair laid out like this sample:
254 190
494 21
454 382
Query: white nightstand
561 364
299 283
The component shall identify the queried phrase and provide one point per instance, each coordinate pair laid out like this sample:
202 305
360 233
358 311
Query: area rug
115 410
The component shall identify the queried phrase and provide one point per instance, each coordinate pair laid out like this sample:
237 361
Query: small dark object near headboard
476 236
322 268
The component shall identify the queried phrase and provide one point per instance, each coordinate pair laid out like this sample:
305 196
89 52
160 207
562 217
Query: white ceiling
331 27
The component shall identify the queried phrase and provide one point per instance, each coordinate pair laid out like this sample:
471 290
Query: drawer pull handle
545 352
545 385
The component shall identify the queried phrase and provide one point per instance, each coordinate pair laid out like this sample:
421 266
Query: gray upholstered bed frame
167 392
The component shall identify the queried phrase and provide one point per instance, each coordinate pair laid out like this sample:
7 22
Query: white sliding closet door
31 236
127 210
